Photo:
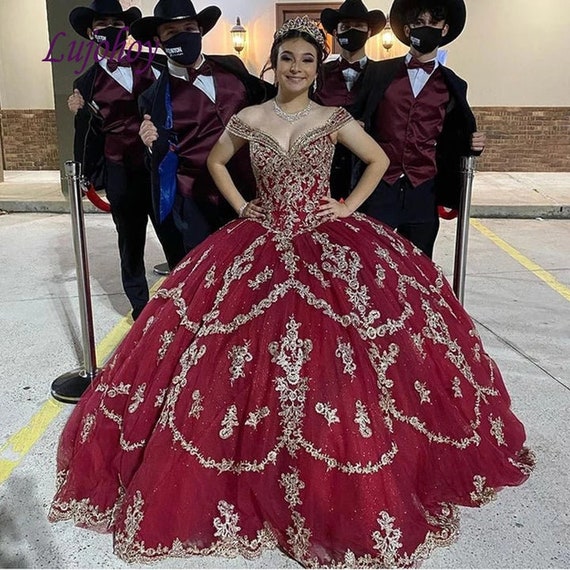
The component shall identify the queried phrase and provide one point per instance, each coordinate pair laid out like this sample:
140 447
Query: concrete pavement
517 290
495 194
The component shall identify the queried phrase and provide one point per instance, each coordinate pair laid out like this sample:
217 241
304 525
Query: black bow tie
344 64
427 66
112 64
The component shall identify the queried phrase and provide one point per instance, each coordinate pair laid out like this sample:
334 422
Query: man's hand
75 101
148 132
478 141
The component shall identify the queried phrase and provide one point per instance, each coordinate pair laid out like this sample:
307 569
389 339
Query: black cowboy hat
81 17
171 10
353 10
456 16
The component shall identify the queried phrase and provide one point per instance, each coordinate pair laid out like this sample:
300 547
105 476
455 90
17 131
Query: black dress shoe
136 312
161 269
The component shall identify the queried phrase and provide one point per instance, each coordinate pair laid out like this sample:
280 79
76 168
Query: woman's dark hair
292 35
437 12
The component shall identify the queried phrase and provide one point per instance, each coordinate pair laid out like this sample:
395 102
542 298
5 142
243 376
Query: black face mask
425 39
111 37
183 48
352 40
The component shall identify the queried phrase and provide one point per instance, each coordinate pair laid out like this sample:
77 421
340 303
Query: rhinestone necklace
291 117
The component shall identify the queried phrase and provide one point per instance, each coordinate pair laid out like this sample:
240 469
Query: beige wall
509 52
512 52
25 80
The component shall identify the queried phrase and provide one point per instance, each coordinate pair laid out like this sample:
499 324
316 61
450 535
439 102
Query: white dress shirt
123 75
419 77
351 75
204 82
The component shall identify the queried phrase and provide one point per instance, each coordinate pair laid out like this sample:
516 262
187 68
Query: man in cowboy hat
340 80
417 110
107 142
186 111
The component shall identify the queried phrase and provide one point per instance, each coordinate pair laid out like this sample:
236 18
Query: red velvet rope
96 200
446 213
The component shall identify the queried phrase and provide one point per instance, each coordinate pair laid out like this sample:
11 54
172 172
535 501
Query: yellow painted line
18 445
12 452
527 263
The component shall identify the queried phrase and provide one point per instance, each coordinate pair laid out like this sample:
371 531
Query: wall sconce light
387 36
238 36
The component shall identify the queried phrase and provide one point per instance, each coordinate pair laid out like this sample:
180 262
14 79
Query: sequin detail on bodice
292 182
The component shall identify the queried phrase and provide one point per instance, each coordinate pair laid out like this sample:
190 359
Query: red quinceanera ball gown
296 384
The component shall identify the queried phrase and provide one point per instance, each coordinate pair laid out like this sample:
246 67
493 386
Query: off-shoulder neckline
306 134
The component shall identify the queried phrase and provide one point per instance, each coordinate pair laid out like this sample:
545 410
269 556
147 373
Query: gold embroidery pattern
166 338
362 419
298 535
149 323
526 462
160 398
423 392
345 352
226 525
316 272
229 422
482 494
226 529
497 426
128 446
260 279
210 277
239 356
87 426
381 363
197 405
328 412
293 486
457 393
137 399
477 353
254 418
380 275
387 539
290 355
189 359
418 341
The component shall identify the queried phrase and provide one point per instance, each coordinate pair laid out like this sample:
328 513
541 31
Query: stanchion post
462 233
70 386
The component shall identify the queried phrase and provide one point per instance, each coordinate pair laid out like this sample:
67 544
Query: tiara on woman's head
301 24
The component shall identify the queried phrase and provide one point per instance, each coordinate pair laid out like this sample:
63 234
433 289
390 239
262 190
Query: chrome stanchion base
161 269
69 387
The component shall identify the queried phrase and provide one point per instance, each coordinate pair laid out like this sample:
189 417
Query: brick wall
29 139
531 139
525 139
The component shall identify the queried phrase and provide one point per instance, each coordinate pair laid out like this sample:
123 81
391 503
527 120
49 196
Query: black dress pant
128 191
196 220
341 172
411 211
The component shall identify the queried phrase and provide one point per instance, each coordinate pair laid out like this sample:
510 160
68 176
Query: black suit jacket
89 140
153 102
459 124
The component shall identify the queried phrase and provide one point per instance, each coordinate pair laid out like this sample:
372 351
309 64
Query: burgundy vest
121 120
407 127
198 124
331 87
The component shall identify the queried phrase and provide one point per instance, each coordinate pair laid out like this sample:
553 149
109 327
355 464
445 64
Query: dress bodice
291 182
